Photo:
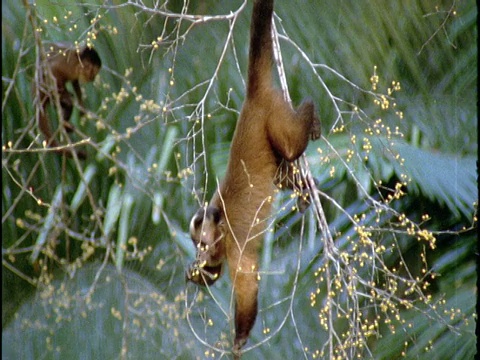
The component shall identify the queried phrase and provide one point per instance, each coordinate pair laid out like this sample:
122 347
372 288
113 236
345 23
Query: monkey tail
261 47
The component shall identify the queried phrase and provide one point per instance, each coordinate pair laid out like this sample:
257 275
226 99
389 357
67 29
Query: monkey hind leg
306 113
289 131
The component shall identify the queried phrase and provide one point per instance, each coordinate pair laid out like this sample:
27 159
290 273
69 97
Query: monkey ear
196 224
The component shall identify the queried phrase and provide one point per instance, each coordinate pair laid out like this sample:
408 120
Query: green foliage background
94 252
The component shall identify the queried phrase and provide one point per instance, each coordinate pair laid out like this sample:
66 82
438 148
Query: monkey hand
202 274
237 348
68 127
303 201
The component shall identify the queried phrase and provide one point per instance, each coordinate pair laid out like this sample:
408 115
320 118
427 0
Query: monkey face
87 72
207 233
90 64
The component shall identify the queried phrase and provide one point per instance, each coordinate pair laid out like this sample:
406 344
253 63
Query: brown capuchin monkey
64 63
268 137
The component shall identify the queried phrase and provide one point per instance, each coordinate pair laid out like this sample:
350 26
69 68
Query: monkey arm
44 126
243 267
246 291
78 93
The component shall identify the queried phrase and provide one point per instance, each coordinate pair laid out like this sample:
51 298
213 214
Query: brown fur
63 64
269 135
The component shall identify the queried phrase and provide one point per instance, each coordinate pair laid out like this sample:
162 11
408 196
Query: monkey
63 64
268 137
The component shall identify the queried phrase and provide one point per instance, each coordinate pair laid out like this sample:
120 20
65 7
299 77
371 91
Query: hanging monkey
64 64
268 137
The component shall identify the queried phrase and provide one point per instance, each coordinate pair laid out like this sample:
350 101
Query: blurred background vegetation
94 252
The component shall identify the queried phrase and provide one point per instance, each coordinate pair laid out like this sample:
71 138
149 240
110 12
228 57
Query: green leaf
446 178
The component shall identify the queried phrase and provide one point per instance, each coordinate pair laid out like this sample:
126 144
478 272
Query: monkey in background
63 64
269 136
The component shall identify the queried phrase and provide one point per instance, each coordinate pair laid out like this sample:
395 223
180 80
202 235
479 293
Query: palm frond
446 178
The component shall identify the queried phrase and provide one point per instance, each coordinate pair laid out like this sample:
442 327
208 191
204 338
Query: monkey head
89 65
207 230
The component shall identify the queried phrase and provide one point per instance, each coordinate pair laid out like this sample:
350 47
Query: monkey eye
197 222
213 213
